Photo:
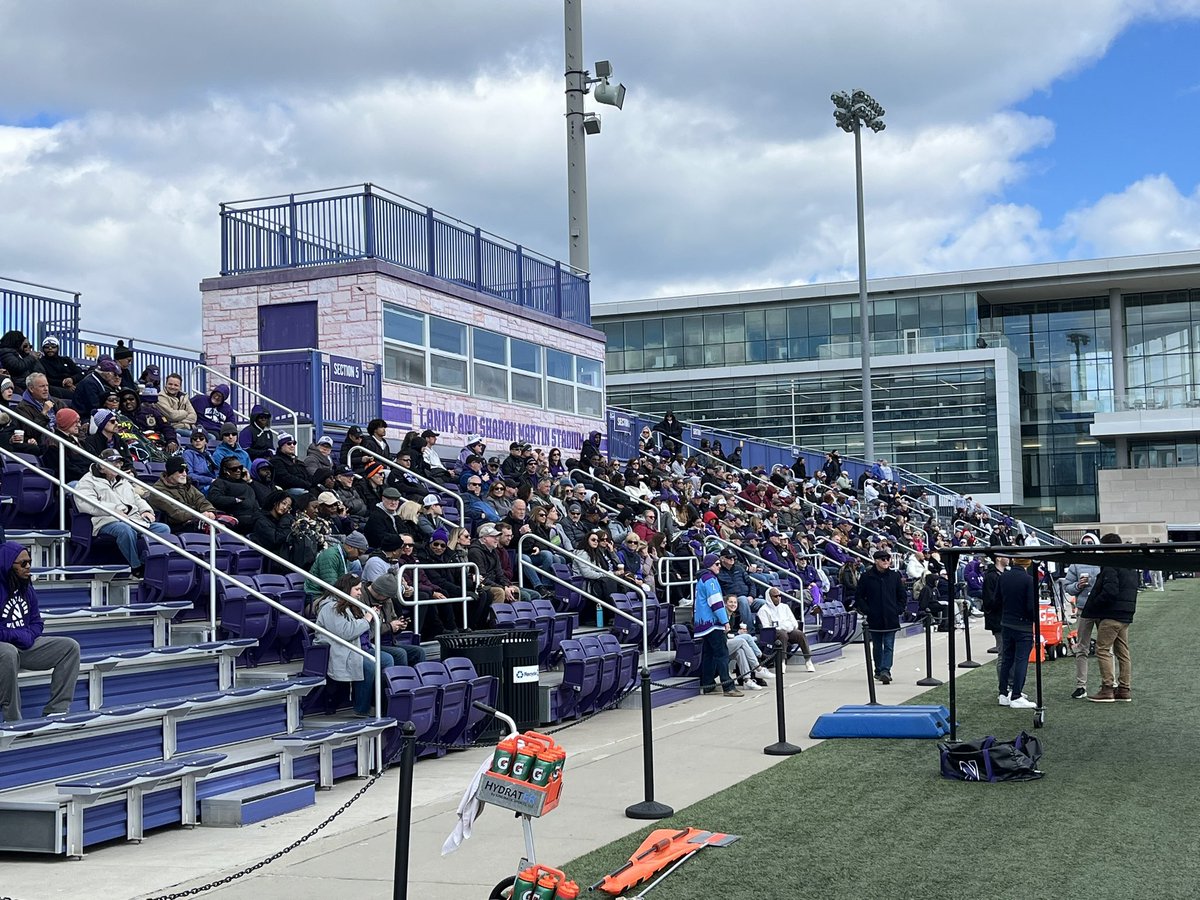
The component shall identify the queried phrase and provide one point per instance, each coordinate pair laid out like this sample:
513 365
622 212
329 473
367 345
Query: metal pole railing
437 488
579 558
213 524
416 601
200 367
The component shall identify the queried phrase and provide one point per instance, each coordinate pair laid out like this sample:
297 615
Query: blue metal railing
365 222
87 346
38 315
304 380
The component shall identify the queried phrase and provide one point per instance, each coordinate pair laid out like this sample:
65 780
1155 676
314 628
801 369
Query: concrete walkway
353 855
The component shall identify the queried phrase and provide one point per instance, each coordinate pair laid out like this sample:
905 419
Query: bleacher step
248 805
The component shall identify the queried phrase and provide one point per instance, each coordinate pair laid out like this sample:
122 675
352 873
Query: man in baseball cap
710 622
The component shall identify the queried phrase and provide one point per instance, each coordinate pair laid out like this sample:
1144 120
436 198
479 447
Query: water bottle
525 884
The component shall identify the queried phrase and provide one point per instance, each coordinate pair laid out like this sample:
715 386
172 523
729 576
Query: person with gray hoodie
1078 582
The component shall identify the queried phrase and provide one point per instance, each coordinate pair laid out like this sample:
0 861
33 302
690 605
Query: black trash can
512 656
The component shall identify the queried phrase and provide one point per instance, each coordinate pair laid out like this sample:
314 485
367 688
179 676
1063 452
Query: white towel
469 807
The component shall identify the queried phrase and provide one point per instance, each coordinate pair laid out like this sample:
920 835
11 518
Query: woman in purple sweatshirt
22 644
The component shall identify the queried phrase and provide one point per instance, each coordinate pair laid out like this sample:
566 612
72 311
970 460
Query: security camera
591 123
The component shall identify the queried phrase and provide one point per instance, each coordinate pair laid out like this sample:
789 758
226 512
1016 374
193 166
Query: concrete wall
1170 496
350 299
1130 532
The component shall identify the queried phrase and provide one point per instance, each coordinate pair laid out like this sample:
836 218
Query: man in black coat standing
1018 615
1112 602
880 597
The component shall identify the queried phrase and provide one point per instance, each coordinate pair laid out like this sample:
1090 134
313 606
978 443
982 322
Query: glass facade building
782 364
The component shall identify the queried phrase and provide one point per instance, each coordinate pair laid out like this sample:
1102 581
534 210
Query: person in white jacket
103 492
778 615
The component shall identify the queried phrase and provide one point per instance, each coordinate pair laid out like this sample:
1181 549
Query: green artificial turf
1116 816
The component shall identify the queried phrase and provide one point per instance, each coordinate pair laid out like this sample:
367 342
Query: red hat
66 418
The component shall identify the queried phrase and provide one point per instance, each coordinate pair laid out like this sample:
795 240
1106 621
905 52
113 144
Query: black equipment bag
990 760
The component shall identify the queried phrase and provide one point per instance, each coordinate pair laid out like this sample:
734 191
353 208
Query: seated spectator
258 438
151 378
330 509
429 517
475 506
274 525
590 564
24 646
371 485
381 594
334 561
475 446
472 467
744 652
102 435
495 584
202 468
36 404
123 356
213 410
351 499
109 497
89 393
319 455
262 479
498 498
18 359
384 519
376 440
66 426
405 479
13 433
174 407
175 484
229 446
290 474
64 373
431 464
232 494
778 615
349 622
309 534
735 581
143 412
444 582
354 438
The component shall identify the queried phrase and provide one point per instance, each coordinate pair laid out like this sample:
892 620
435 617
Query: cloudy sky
1018 131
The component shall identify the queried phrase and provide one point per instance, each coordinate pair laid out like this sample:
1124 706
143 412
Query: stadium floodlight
851 111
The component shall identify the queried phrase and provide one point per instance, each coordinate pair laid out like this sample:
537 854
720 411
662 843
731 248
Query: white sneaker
751 685
1004 700
764 672
808 666
977 613
1022 702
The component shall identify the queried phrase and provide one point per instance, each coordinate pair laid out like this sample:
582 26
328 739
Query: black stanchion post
967 663
929 680
404 811
780 747
649 808
1039 714
870 664
951 566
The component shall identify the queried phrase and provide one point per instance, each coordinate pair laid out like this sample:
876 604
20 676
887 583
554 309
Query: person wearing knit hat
710 620
441 617
66 426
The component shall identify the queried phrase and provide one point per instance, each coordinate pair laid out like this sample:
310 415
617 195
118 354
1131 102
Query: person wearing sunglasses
233 494
22 643
107 495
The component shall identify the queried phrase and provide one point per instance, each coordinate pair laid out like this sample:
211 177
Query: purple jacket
20 621
210 417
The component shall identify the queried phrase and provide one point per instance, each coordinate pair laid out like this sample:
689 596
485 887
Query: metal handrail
214 525
611 487
416 602
249 390
578 558
439 489
765 562
83 331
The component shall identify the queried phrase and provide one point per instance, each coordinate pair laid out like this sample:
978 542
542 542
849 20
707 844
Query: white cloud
1149 216
723 170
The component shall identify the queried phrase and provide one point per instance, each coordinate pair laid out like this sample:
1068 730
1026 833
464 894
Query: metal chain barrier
241 873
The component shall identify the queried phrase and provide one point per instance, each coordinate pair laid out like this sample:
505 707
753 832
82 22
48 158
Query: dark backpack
302 548
990 760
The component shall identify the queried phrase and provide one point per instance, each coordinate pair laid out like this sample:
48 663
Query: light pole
579 124
851 112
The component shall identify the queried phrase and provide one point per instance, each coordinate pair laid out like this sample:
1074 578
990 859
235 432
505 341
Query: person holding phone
1078 582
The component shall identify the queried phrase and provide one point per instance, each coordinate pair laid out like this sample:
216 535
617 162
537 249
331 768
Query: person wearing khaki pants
1112 603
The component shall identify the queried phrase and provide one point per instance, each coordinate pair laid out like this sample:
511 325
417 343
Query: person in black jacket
289 472
271 529
1018 617
233 494
990 599
672 431
64 373
880 597
1113 601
